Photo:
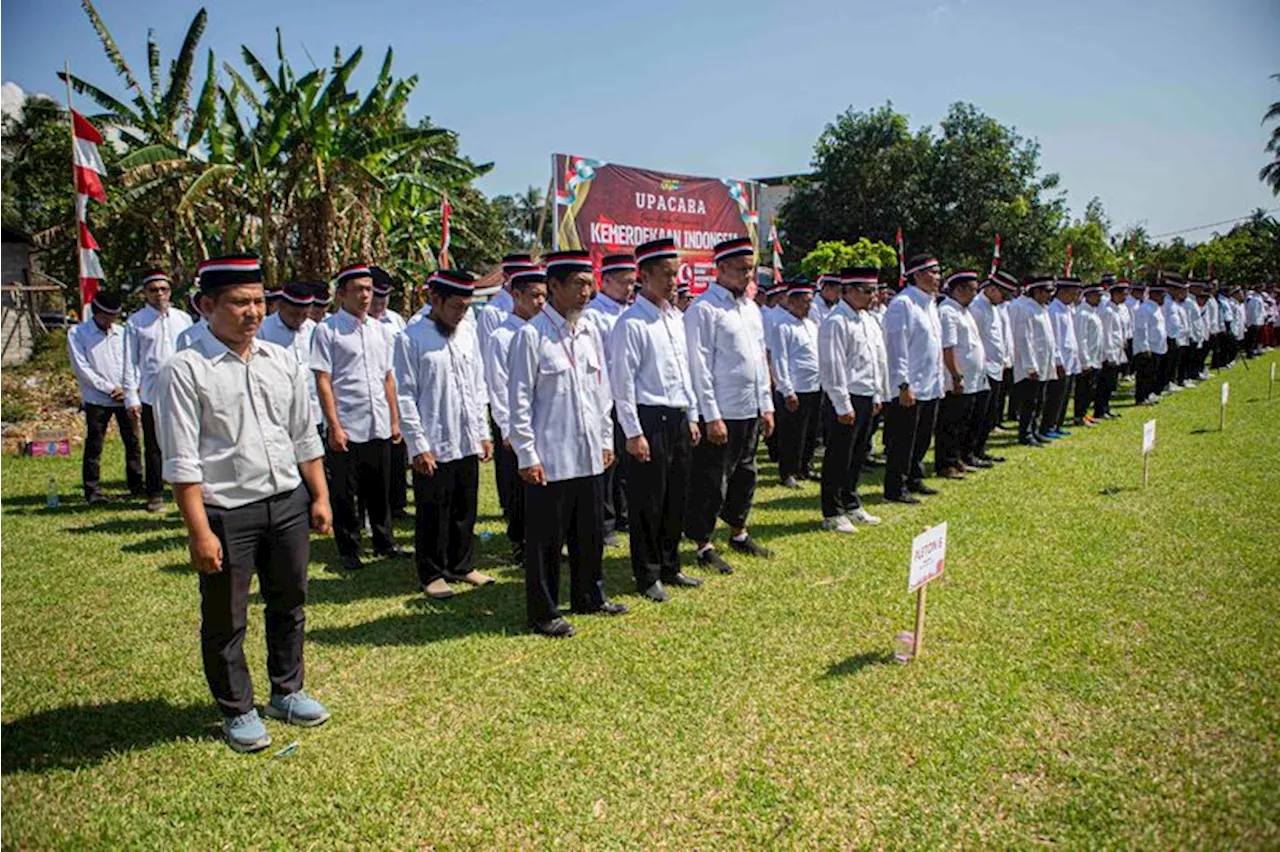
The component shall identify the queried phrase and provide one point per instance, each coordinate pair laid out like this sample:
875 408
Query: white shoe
1204 377
792 483
1174 387
839 524
862 515
1188 384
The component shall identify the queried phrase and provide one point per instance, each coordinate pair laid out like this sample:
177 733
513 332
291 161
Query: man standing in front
1150 345
150 339
731 384
965 381
992 321
291 327
1112 312
1034 357
1088 326
1058 393
440 381
795 373
562 432
913 342
357 389
653 395
96 350
244 459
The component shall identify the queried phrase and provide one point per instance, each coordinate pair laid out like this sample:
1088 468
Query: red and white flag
902 261
89 171
777 251
1067 272
445 212
995 258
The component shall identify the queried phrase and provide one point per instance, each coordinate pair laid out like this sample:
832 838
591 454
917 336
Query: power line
1210 225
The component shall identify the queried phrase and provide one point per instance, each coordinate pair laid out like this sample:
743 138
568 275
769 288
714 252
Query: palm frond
201 186
101 98
109 46
206 105
153 64
259 72
180 75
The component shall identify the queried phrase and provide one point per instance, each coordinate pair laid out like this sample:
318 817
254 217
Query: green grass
1101 670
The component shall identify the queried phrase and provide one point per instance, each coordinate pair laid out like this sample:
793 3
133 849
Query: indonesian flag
995 258
445 212
902 261
1067 272
89 170
777 251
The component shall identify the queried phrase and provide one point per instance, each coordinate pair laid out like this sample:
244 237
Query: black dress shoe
1030 442
990 458
978 463
748 546
681 579
393 552
904 497
921 488
556 628
710 559
94 499
606 608
656 593
351 563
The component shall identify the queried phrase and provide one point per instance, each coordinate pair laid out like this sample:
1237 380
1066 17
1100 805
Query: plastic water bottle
904 646
51 502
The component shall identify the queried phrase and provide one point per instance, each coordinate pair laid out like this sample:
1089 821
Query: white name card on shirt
928 556
1148 436
1226 391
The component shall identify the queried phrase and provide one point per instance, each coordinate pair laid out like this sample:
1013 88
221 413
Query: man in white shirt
684 297
913 343
244 459
291 327
964 359
357 389
1034 356
150 339
528 290
730 375
1058 394
384 287
798 393
826 298
1112 312
1196 310
654 402
440 381
1175 324
321 301
491 315
617 281
96 350
1254 318
772 311
854 373
562 432
1088 327
992 320
1150 345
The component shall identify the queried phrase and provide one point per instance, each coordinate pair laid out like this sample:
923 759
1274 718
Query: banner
607 208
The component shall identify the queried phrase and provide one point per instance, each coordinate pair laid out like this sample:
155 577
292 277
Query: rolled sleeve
178 410
302 429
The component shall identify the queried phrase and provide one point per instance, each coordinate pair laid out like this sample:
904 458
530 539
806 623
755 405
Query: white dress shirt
1238 311
497 352
503 301
1195 320
795 355
851 357
1064 334
185 338
1149 332
819 309
960 332
1255 312
649 363
273 330
560 398
357 358
603 312
1212 317
150 339
1003 308
488 318
1175 321
913 341
1089 335
441 389
238 427
769 317
97 359
1112 316
1034 348
727 361
991 329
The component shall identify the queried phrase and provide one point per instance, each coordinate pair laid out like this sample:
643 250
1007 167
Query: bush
12 411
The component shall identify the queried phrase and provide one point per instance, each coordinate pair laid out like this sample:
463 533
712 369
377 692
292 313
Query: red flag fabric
445 212
902 261
1067 272
777 251
995 257
87 164
83 129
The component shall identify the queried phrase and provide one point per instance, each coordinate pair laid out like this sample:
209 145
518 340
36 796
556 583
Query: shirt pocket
553 369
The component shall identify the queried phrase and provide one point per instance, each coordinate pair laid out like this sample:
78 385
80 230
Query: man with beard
150 339
1112 312
654 397
234 419
562 432
1034 356
1150 345
966 385
992 321
913 343
357 389
795 371
528 289
440 382
730 376
291 327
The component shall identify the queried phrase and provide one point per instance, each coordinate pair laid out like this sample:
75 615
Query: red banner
606 208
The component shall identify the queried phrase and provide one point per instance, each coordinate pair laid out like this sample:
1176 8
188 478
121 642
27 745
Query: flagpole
75 188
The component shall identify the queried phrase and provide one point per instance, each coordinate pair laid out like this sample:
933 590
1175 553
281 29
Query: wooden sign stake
1145 458
917 648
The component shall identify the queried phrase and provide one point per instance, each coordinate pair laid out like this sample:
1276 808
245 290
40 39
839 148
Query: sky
1154 107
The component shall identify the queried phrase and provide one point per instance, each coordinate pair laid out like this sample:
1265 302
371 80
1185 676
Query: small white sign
1226 391
928 556
1148 436
1273 371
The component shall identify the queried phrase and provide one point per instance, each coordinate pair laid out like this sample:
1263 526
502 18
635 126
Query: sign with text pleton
1148 436
928 556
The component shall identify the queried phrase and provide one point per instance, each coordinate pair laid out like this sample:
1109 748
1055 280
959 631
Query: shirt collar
215 350
947 300
560 322
917 295
651 310
350 318
723 293
607 304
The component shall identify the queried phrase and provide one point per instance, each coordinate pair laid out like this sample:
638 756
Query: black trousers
151 453
975 428
953 416
97 418
570 512
908 433
1168 371
1029 394
1055 399
398 496
771 442
1146 372
361 470
657 491
1011 413
510 490
445 520
722 480
844 455
989 417
797 434
1108 381
269 538
501 483
1084 391
1252 334
1128 367
616 517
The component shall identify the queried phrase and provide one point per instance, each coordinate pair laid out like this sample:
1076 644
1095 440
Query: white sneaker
1188 384
1174 387
862 515
792 483
839 524
1204 377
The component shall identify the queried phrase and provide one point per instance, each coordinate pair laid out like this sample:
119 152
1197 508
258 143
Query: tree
1092 251
1270 173
522 213
835 255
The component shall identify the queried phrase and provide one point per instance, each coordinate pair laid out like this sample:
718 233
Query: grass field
1102 669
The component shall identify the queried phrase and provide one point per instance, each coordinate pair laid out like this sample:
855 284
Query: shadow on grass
1112 490
853 665
132 526
1204 431
83 735
490 610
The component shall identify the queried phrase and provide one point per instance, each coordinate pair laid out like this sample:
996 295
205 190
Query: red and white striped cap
733 248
